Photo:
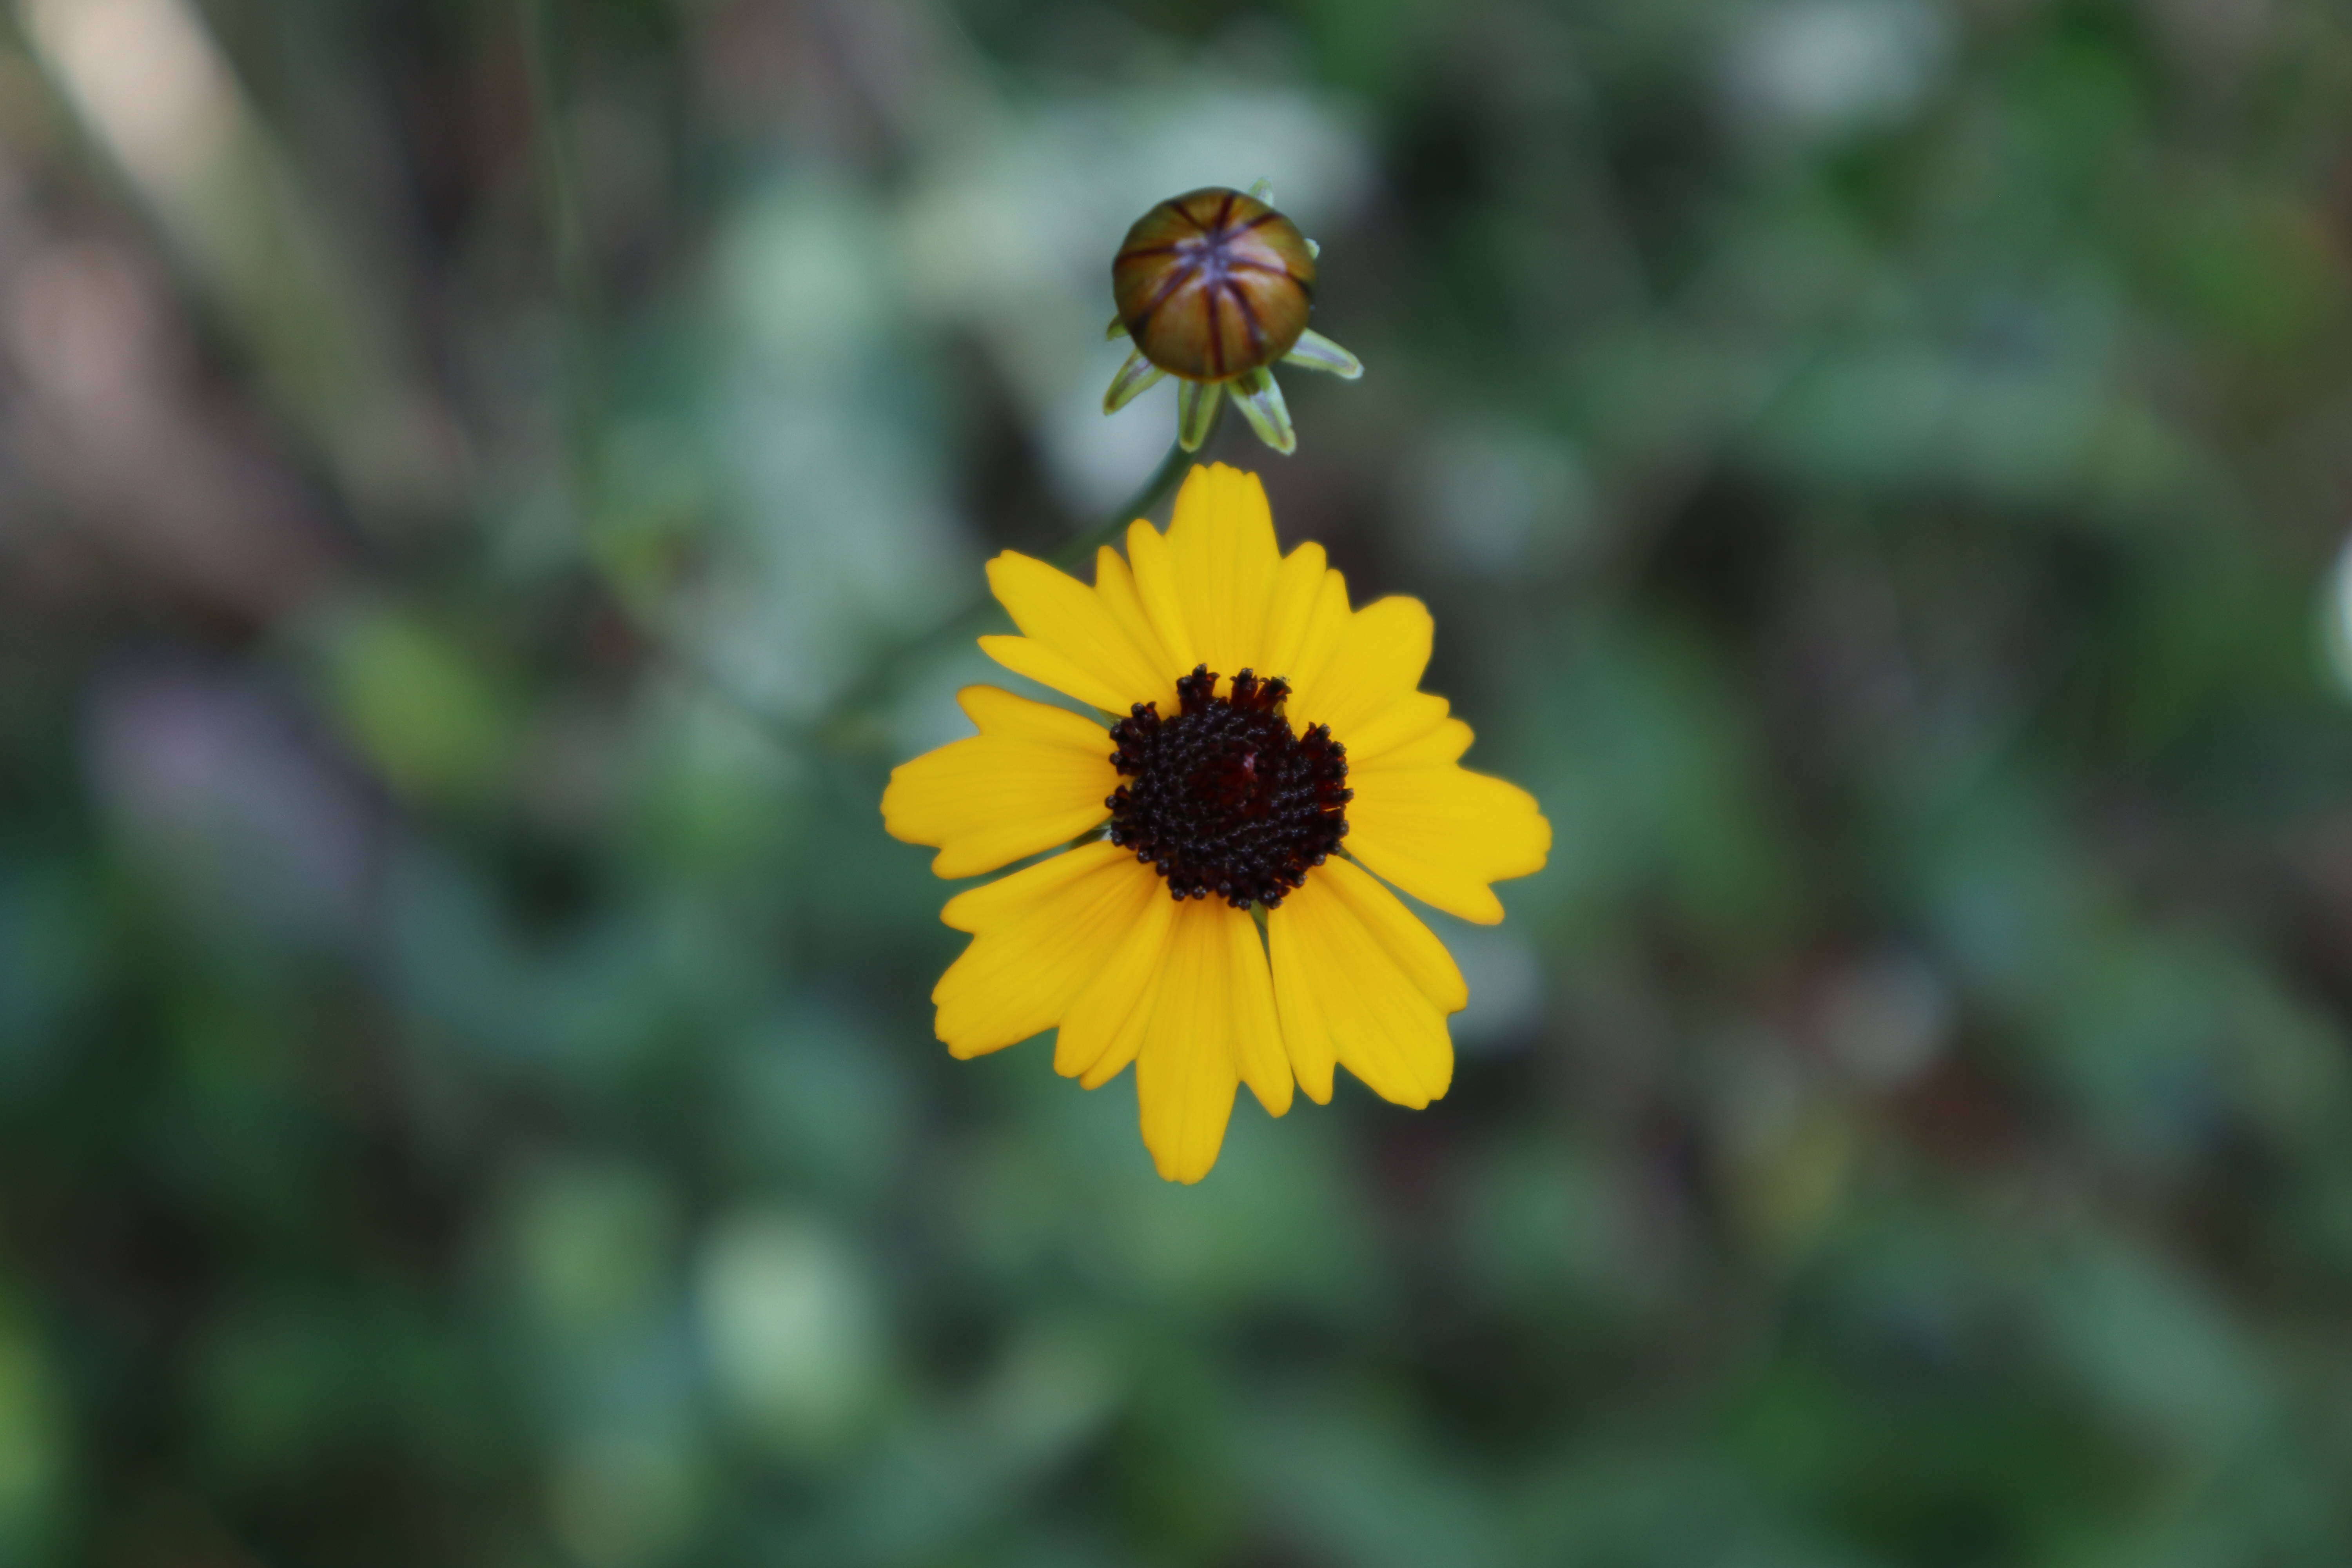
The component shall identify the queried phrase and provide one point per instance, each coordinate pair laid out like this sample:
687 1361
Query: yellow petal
1057 612
1187 1069
1124 1043
1258 1055
1105 1028
1414 717
1001 712
1034 777
1377 663
1302 651
1434 748
1154 566
1115 582
1221 542
1026 656
1104 1025
1345 993
1401 933
1006 898
1441 832
1297 585
1020 976
1306 1031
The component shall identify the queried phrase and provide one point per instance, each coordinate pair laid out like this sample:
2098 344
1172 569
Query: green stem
1154 489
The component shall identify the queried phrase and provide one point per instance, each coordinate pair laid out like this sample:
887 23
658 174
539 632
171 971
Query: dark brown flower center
1223 797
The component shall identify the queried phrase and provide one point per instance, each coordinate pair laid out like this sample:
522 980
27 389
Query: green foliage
486 485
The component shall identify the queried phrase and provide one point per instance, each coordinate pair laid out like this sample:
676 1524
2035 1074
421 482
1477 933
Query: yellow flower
1268 724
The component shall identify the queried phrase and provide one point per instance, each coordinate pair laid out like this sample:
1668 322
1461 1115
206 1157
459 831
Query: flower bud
1214 287
1213 284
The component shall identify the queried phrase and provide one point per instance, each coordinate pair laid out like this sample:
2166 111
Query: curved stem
1154 489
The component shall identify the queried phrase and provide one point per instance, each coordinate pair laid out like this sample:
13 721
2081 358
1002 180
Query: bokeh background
481 485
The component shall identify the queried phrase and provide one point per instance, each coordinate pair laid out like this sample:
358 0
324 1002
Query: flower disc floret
1225 797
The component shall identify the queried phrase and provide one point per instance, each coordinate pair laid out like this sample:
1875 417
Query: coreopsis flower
1213 902
1214 286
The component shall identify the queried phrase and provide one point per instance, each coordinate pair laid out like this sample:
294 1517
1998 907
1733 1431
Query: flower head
1214 286
1274 761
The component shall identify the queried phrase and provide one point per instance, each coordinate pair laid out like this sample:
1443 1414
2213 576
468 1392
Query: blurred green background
478 485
